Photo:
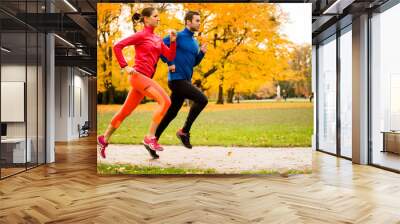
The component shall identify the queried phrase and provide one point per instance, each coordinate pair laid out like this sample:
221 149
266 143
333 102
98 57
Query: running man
148 48
188 55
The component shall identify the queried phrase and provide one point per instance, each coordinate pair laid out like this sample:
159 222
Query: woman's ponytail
145 12
136 17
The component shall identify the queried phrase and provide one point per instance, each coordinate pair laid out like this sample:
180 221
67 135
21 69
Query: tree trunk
111 93
104 97
220 94
231 93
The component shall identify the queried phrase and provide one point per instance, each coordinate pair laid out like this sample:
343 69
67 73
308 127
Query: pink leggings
142 86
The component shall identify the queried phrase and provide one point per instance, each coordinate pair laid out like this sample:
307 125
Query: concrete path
222 159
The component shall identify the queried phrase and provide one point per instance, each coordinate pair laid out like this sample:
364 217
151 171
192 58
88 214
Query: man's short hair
189 16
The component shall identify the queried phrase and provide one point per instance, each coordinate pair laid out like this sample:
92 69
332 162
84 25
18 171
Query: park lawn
134 169
106 169
266 124
212 106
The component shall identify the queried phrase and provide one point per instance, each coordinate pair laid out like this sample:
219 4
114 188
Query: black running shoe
151 144
152 153
184 137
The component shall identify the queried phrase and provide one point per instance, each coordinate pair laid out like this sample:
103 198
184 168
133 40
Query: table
391 141
17 150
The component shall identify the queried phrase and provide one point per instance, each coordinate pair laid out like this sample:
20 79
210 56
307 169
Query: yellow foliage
245 48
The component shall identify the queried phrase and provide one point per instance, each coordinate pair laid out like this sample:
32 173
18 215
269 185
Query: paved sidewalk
222 159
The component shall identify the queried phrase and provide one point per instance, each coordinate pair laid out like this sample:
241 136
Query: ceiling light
64 40
86 72
70 5
338 6
5 50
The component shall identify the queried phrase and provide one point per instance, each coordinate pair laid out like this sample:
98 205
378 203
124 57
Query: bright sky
298 28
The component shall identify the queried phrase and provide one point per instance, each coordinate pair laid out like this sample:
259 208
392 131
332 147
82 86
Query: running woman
188 55
148 48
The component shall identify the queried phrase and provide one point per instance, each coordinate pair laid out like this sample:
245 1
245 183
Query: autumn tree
236 34
107 15
301 64
246 51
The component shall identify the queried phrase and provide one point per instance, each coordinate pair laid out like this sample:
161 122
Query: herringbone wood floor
70 191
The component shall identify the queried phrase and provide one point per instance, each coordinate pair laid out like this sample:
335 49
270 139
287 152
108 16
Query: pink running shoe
103 145
152 144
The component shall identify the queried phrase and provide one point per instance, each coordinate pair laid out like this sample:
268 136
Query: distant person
284 95
148 48
188 55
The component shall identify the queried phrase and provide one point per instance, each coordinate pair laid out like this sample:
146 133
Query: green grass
134 169
247 127
103 168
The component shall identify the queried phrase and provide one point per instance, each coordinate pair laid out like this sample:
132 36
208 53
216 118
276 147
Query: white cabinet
18 149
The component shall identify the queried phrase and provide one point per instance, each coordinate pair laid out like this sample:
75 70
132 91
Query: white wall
71 93
80 84
33 127
13 73
61 103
